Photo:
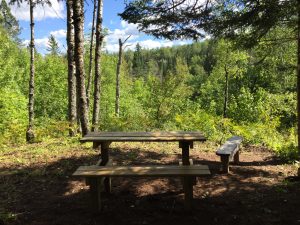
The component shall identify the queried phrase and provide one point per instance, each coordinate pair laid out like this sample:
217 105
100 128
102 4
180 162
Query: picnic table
102 140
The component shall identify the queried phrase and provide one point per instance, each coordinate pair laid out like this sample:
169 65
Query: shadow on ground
253 193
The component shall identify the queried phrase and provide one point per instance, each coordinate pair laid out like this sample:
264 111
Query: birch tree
97 81
72 109
79 63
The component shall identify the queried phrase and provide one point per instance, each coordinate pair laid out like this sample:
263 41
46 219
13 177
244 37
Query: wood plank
142 139
152 171
227 149
157 167
235 139
145 134
231 146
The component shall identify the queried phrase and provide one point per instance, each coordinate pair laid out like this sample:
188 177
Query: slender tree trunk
89 84
97 85
225 94
30 136
117 104
298 84
79 61
72 108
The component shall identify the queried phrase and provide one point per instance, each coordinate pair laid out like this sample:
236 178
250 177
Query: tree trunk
72 108
30 136
298 84
117 104
97 82
225 94
79 62
89 84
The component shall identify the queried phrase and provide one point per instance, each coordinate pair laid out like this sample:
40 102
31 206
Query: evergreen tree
8 21
138 62
53 47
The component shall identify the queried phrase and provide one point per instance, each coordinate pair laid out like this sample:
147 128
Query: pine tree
53 47
138 62
8 21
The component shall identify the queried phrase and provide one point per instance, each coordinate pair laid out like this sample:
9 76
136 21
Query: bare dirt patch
36 188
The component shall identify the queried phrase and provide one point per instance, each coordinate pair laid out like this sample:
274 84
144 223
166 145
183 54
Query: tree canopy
250 20
8 21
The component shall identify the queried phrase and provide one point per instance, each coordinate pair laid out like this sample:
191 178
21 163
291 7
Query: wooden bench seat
229 151
95 175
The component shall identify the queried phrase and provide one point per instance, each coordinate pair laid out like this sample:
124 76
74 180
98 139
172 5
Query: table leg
95 191
104 160
187 181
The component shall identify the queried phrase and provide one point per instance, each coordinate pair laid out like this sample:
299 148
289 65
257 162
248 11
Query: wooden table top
165 136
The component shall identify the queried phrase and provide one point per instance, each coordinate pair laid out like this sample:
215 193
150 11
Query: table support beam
95 191
187 181
104 148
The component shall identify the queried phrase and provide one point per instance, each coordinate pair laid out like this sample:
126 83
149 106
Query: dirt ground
42 192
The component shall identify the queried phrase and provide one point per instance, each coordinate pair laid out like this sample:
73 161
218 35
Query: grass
42 153
55 149
36 182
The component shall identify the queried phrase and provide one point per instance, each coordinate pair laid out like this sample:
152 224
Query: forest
210 85
211 124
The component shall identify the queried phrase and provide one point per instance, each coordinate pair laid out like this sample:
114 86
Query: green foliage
8 21
51 87
289 153
13 118
178 88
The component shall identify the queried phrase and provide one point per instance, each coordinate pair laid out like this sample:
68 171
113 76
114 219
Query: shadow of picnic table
49 195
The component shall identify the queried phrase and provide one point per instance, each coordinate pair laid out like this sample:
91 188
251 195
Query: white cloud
42 43
131 29
56 10
59 33
39 42
127 29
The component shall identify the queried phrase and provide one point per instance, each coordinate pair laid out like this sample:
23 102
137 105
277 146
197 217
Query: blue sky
52 20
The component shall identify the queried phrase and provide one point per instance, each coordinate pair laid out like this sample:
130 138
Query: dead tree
117 103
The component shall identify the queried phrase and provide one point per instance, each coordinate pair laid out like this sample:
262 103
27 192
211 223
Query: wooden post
194 180
236 158
104 160
96 145
187 181
225 163
95 190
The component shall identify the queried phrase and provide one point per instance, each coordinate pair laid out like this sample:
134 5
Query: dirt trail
254 192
